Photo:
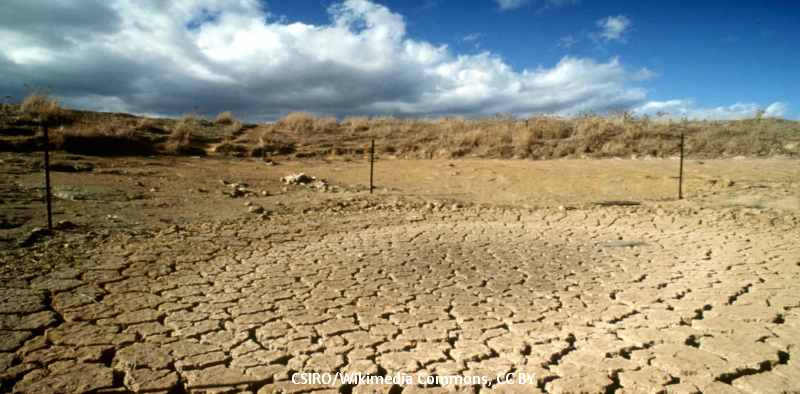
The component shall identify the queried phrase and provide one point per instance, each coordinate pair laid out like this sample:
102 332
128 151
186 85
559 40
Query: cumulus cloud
613 28
677 109
166 57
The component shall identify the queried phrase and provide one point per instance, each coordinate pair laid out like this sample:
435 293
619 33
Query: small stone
257 209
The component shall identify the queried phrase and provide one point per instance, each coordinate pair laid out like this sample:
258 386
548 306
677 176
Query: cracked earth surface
709 305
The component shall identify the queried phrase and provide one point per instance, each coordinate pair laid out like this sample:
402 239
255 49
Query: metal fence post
47 178
371 165
680 176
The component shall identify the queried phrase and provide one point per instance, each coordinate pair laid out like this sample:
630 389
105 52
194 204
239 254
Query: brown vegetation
42 108
620 134
542 137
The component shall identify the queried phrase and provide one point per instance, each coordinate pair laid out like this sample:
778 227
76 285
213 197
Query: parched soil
172 281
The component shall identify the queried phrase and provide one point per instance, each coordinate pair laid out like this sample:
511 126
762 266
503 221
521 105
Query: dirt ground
210 275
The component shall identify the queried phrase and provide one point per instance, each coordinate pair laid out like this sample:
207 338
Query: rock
257 209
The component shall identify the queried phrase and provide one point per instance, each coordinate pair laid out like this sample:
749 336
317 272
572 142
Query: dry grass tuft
224 118
42 108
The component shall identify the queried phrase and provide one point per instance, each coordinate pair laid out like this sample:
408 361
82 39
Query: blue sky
262 59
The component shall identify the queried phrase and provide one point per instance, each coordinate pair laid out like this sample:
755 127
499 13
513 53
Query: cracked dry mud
709 306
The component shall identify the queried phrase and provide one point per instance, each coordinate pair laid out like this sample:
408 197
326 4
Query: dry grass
144 122
180 139
225 118
103 138
304 122
42 108
619 134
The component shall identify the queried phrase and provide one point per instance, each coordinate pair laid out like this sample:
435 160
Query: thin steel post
47 178
680 176
371 165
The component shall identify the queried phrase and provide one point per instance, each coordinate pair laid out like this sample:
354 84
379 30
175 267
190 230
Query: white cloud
566 41
511 4
777 110
685 108
166 57
613 28
472 37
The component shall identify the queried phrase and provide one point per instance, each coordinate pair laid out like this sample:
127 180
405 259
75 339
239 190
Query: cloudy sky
264 58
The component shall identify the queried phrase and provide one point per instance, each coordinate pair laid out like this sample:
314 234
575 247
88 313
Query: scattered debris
298 179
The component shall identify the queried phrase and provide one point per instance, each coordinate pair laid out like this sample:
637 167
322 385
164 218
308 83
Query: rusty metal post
680 176
47 178
371 165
